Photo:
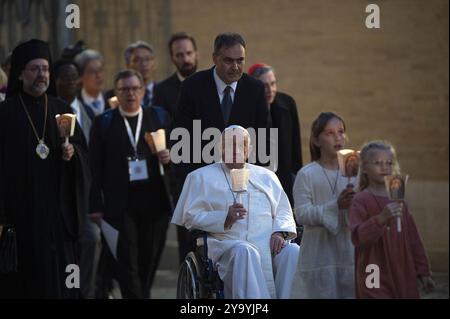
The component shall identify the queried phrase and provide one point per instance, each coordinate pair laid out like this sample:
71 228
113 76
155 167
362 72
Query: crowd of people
60 200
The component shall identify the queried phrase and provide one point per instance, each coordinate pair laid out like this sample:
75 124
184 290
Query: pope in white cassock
248 238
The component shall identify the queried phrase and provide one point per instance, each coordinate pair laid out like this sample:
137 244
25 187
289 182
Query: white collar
221 85
180 77
150 86
129 114
75 104
89 99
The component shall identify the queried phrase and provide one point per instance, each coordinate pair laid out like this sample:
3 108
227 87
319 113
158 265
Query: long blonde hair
365 155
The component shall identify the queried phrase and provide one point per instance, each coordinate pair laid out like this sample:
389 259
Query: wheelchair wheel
190 279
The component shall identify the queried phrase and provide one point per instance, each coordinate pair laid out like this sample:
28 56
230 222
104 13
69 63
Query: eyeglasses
37 68
380 163
94 71
132 89
144 60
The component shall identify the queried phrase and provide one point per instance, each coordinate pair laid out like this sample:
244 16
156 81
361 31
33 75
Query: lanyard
134 140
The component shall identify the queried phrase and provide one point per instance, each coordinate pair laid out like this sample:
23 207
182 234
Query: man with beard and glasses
221 96
43 181
183 52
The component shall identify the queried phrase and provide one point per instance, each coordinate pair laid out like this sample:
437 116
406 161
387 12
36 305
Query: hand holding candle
396 189
66 126
157 143
113 102
348 160
239 179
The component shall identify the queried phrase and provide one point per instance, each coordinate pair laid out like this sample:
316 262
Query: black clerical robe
44 199
139 210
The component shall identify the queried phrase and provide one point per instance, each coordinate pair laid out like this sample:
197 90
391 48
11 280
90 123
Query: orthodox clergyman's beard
38 87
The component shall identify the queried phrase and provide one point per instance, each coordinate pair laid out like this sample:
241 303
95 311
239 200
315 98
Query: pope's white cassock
242 253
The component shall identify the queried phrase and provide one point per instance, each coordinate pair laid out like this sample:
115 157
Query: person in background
184 56
90 64
67 80
141 56
284 113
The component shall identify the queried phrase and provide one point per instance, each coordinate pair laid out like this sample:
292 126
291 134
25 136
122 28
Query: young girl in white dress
321 201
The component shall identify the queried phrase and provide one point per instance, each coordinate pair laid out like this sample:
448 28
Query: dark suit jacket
284 117
110 147
166 92
199 100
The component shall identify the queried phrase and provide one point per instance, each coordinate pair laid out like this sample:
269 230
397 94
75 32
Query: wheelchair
197 278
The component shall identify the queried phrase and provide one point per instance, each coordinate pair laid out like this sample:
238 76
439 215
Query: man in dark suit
66 78
283 110
183 52
141 57
221 96
92 78
128 190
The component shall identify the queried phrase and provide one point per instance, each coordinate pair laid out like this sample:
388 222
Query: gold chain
31 121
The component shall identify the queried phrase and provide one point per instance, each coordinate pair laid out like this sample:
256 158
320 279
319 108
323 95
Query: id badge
138 170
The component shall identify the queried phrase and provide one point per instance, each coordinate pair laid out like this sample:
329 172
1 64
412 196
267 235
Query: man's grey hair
226 40
83 58
137 45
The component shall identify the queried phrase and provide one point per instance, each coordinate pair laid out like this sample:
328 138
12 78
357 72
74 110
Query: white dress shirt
89 100
76 108
221 85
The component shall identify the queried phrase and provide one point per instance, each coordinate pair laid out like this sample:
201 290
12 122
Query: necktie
96 105
147 98
226 104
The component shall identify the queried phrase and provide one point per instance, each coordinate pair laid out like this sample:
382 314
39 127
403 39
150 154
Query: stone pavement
166 277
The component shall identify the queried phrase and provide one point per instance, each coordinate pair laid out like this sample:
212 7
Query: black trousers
141 242
185 242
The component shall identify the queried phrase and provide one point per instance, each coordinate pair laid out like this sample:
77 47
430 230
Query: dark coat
199 100
109 149
45 200
166 92
285 117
